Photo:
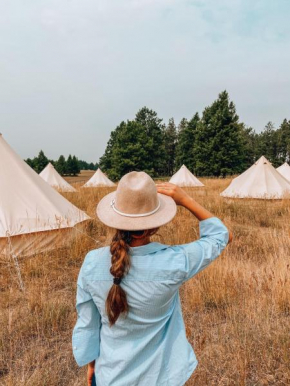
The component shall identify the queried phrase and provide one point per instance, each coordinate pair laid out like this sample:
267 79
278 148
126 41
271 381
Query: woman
130 329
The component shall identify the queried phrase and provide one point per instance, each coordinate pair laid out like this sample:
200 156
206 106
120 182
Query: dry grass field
81 178
237 312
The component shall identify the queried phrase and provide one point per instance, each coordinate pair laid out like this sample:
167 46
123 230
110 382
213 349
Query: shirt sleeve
86 333
214 237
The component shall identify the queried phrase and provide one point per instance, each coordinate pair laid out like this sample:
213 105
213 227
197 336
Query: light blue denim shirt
149 346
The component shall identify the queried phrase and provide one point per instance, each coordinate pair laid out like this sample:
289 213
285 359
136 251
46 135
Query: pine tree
170 139
250 139
283 142
40 162
75 166
83 165
136 145
185 151
181 143
60 165
219 148
154 147
268 144
129 151
105 161
30 162
69 165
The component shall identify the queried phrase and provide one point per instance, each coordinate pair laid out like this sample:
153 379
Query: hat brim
112 219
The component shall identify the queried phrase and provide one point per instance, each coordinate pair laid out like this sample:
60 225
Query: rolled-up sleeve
214 237
86 333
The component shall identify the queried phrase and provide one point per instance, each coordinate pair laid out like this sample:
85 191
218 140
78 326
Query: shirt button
75 348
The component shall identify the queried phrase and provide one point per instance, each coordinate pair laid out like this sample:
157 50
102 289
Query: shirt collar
147 249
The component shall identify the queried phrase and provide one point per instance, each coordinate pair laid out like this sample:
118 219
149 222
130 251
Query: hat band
133 215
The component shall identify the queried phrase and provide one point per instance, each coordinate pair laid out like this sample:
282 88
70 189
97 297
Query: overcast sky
72 70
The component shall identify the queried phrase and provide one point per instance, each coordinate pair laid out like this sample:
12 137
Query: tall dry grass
237 312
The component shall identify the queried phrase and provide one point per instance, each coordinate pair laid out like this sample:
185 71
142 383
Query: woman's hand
182 198
174 191
90 373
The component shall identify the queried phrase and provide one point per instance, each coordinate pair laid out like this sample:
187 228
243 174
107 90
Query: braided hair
116 303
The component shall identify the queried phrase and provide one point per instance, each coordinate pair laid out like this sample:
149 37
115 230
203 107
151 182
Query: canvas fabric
284 170
27 203
261 181
38 242
99 179
184 178
54 179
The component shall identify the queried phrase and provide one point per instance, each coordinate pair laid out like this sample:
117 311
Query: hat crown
136 194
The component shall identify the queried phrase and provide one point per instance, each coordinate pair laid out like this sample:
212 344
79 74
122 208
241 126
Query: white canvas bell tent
51 176
183 177
261 180
99 179
33 216
284 170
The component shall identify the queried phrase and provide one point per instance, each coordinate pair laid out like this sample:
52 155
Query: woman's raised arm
183 199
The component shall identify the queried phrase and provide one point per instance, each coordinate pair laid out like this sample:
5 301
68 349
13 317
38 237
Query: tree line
213 144
70 166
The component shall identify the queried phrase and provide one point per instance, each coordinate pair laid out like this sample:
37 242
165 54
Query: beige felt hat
136 205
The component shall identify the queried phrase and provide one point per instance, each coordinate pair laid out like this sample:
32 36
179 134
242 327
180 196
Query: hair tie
117 280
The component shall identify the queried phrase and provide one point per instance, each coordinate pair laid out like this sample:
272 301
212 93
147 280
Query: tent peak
98 179
183 177
284 170
54 179
262 160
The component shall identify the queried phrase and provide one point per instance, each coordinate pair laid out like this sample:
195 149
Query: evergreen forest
70 166
214 144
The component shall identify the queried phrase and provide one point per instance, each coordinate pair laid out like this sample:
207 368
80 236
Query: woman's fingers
166 192
165 184
164 188
173 191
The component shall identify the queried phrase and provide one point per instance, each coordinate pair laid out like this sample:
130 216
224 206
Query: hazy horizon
71 71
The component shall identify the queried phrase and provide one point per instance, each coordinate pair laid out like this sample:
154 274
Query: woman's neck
140 242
